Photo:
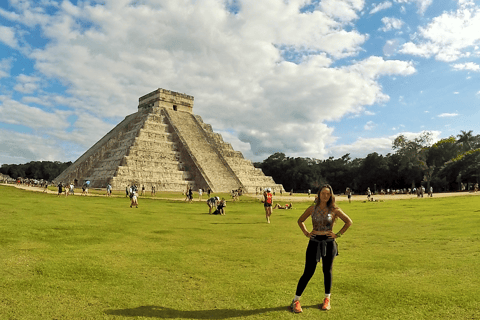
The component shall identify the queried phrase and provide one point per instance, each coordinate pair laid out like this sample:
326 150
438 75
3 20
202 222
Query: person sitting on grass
212 203
286 206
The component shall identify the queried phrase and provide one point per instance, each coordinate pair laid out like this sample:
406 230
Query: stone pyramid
165 145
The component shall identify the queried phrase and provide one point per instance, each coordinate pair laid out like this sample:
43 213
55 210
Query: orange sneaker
326 304
295 306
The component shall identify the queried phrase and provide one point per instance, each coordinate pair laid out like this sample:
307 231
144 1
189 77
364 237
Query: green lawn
97 258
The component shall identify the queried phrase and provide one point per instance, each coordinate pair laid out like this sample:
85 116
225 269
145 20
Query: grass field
97 258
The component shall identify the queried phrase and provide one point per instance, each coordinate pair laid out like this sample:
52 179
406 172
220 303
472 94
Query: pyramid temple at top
165 145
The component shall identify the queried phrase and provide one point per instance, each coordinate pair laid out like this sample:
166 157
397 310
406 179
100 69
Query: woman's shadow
169 313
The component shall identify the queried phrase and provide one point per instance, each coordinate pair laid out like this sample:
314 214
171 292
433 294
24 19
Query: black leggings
311 264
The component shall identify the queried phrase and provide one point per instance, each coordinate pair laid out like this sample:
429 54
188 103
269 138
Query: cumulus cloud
357 148
470 66
24 147
382 145
17 113
343 10
390 23
448 37
109 55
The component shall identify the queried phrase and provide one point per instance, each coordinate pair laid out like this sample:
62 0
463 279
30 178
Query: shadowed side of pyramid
165 145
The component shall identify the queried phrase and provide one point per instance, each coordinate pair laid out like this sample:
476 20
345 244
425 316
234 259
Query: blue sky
307 78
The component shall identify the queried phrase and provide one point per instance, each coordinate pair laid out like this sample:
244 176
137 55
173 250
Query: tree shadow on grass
169 313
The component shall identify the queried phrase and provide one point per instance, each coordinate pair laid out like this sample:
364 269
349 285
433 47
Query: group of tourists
217 204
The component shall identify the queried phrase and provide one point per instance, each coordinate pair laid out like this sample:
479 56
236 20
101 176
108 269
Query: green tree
373 173
414 156
466 140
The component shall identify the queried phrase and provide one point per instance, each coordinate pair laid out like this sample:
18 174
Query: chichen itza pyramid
165 145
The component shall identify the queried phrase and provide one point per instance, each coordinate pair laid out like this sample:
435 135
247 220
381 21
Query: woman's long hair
331 202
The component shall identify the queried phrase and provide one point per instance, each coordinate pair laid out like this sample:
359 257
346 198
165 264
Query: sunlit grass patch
97 258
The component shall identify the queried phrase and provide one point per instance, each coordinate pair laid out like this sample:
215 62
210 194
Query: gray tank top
322 220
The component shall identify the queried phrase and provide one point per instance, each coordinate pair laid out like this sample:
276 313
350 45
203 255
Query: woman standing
322 244
267 203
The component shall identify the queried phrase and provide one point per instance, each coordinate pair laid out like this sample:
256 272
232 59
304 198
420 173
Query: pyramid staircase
165 145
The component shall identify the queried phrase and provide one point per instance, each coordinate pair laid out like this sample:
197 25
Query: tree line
444 165
46 170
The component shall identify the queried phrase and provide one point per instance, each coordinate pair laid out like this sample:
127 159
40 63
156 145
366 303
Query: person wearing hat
212 203
267 203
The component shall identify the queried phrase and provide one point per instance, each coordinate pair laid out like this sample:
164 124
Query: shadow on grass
168 313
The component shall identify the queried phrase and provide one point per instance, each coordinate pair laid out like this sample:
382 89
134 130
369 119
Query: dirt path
287 198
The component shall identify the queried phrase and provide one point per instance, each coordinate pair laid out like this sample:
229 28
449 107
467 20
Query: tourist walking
348 192
190 195
267 203
134 198
322 244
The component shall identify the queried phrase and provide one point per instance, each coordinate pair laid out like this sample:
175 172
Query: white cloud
374 67
447 115
390 23
382 145
392 46
7 36
18 147
471 66
343 10
380 6
422 5
107 56
5 66
26 84
449 36
370 125
17 113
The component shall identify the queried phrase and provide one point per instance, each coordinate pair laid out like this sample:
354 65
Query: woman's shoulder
337 210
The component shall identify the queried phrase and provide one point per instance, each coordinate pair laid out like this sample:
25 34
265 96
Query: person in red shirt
267 203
